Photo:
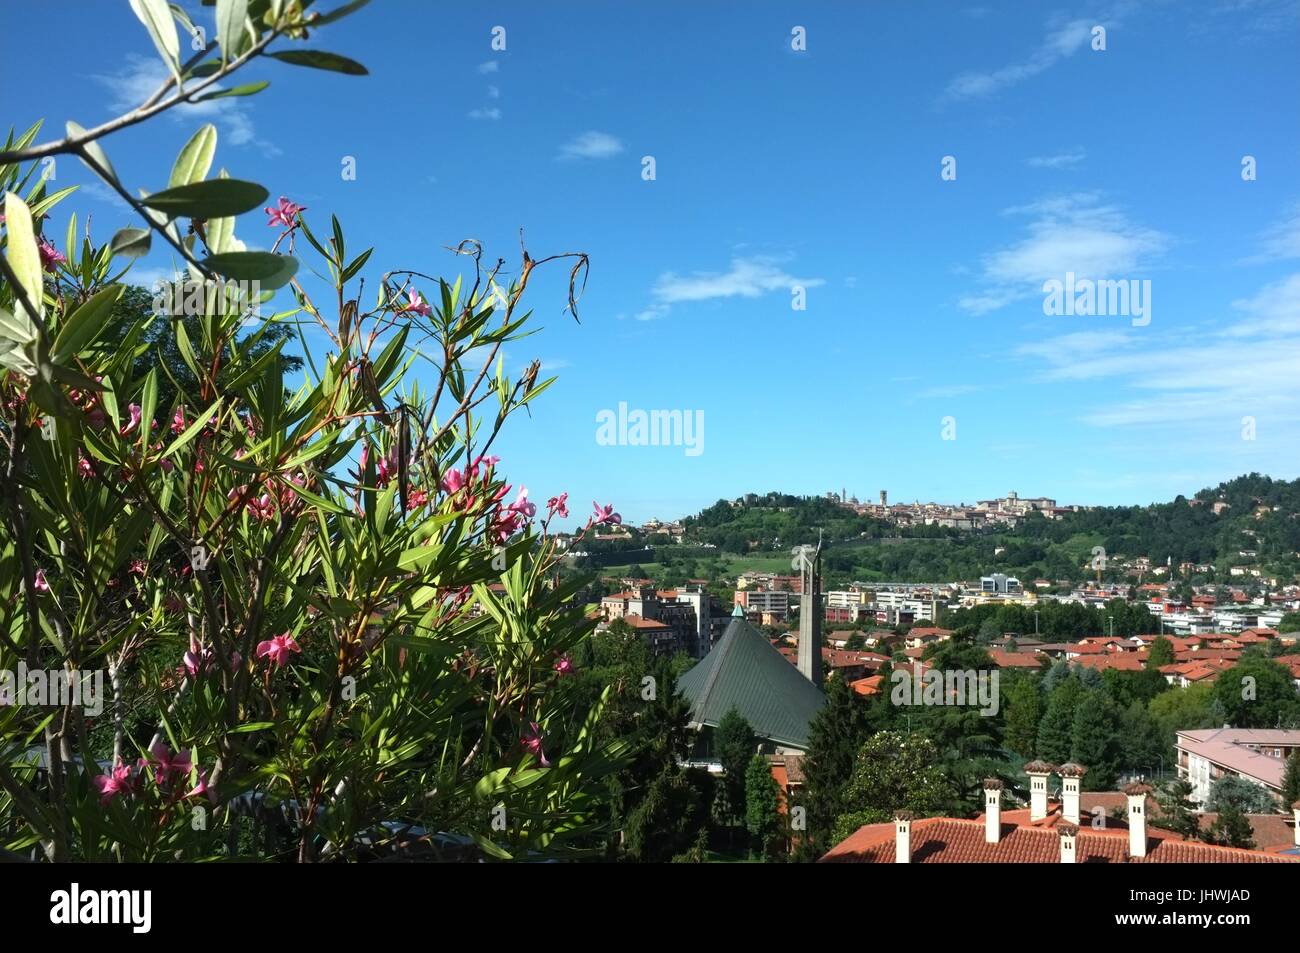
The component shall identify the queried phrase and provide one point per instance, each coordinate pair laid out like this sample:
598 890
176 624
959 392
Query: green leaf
193 429
248 89
230 26
93 151
271 271
251 727
131 242
357 264
83 325
196 158
24 254
148 406
319 59
157 19
339 13
212 199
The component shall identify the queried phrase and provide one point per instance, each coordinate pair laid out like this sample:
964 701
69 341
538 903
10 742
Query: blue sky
818 168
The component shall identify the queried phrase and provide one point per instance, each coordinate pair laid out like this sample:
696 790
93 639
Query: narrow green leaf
319 59
84 324
230 26
340 12
156 16
195 158
193 429
24 254
92 150
248 89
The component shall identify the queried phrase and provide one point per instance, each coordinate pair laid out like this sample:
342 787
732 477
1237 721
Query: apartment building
1256 754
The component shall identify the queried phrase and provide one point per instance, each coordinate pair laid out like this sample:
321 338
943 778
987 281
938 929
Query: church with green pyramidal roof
745 671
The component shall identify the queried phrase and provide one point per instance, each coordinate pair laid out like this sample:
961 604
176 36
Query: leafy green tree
1291 781
762 806
835 737
1024 709
1178 813
734 742
894 771
1139 739
1056 728
1258 693
1231 829
669 817
1246 796
1094 740
1162 653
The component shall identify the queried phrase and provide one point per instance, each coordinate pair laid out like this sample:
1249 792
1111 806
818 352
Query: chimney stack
1038 772
903 837
1069 843
1137 817
1071 776
992 810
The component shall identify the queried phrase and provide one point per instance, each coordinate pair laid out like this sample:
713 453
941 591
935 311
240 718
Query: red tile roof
946 840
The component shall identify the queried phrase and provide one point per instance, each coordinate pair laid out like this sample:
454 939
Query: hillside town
774 654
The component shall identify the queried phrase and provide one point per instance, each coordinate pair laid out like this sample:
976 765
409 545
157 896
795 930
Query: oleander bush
328 626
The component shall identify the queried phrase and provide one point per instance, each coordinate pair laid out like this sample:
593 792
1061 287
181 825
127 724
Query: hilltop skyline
819 169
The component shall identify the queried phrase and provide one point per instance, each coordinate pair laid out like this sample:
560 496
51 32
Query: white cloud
1057 45
491 66
1205 381
494 92
747 278
1283 239
141 77
591 145
1063 160
1070 233
492 114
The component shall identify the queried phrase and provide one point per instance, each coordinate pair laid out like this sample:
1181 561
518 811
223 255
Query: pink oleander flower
605 514
117 781
558 506
97 417
84 468
40 582
262 508
453 480
178 420
386 468
532 741
278 649
564 665
137 567
522 506
418 498
134 421
285 213
486 462
202 788
504 524
196 659
166 764
417 304
51 257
